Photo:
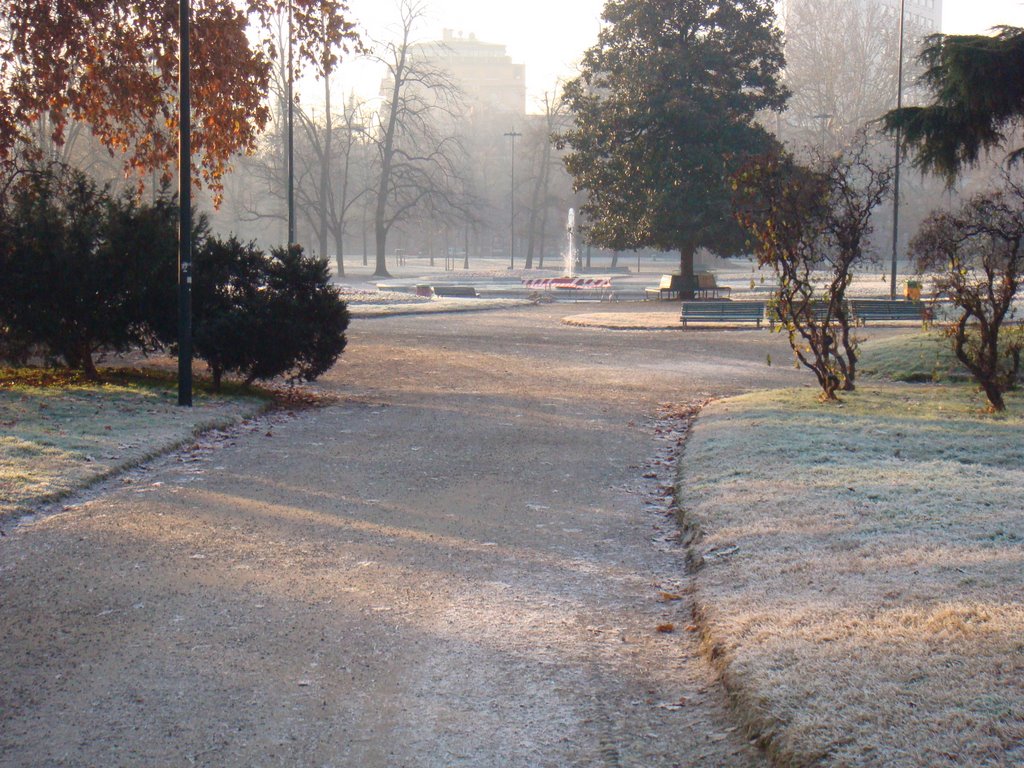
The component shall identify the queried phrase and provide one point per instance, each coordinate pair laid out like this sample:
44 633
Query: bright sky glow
549 36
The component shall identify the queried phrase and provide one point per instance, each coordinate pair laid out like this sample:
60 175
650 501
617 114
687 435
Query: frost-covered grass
434 305
360 297
60 433
916 357
863 567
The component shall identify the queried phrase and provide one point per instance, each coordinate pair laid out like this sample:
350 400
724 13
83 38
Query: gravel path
462 564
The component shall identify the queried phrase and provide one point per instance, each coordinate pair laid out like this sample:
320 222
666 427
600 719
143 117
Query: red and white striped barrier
570 283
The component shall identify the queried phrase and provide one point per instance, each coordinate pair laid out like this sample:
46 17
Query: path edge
751 714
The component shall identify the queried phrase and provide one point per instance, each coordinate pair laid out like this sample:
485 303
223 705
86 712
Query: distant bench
866 310
447 291
670 286
723 311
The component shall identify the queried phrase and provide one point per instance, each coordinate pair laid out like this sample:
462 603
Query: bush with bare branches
806 221
977 257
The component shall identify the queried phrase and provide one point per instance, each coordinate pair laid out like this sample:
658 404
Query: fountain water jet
569 257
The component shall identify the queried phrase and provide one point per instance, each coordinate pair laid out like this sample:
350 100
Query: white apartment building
922 14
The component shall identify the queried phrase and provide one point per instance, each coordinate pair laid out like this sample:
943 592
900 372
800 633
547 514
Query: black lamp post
899 151
184 212
291 136
512 135
824 117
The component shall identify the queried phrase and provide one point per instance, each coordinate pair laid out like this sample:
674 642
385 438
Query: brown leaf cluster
114 66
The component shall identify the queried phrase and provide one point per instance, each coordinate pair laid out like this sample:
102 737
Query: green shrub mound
262 316
87 271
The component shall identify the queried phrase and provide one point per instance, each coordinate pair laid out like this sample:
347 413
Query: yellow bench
708 287
668 288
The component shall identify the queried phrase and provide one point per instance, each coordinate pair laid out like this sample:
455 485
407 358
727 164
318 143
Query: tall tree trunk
387 156
543 234
339 250
366 231
89 366
688 280
380 227
538 201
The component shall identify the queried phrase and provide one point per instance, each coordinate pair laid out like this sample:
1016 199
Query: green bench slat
460 291
723 311
883 309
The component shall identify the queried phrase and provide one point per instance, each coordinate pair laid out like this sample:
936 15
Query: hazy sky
549 35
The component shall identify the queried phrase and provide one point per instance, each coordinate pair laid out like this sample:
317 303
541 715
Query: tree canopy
664 113
977 87
114 66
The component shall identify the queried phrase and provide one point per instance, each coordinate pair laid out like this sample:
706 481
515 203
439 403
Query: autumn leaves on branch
114 66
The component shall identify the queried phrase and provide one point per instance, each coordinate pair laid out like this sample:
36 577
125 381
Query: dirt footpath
462 564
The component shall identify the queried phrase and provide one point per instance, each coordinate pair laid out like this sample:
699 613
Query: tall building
925 15
484 71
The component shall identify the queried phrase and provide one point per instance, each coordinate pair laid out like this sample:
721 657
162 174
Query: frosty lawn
917 357
862 574
59 438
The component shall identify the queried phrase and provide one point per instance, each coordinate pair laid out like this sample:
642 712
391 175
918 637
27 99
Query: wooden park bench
708 287
668 288
818 308
866 310
455 291
723 311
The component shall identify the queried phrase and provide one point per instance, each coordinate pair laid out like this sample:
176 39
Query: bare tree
977 255
331 164
546 163
812 226
417 149
841 67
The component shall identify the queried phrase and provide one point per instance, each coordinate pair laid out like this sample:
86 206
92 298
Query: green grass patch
61 432
916 357
919 357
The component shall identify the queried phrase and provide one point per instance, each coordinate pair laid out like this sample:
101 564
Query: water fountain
569 257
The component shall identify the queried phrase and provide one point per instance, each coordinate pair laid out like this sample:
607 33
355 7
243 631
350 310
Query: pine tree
664 117
977 84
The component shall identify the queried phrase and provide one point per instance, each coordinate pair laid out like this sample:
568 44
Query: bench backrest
744 308
706 281
666 283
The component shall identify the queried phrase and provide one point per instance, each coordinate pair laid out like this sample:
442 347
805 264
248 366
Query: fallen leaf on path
666 628
668 597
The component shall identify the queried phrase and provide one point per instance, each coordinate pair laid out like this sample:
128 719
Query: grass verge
62 433
859 572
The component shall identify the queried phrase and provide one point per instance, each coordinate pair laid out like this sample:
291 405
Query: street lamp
184 211
824 117
512 135
896 175
291 136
